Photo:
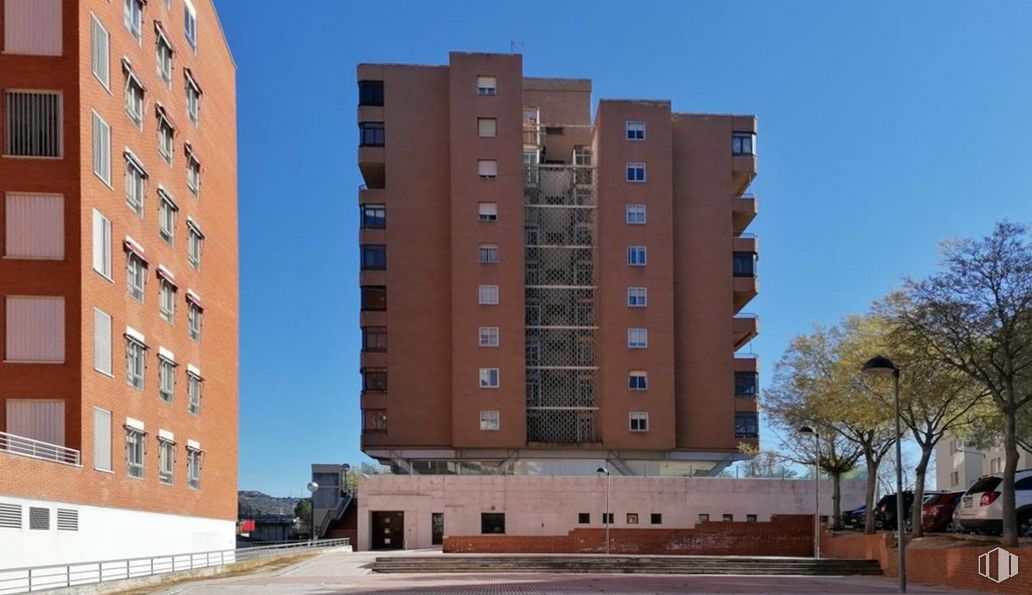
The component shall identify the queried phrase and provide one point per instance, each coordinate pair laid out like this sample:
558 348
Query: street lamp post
605 517
816 489
312 489
883 366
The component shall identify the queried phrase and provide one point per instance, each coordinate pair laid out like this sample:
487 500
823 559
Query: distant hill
251 503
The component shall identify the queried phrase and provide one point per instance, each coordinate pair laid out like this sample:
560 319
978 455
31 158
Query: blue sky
884 127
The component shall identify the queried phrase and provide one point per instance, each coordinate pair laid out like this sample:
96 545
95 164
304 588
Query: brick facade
783 535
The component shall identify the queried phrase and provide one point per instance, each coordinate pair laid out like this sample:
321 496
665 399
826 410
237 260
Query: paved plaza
346 572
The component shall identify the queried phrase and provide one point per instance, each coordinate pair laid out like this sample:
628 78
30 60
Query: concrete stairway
463 563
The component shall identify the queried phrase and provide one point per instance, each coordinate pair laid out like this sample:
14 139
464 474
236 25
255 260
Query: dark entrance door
388 530
437 528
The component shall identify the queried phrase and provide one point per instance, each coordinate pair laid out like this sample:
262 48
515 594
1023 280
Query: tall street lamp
605 517
816 489
312 489
883 366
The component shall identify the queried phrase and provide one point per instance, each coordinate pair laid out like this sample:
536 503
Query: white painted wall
108 533
543 505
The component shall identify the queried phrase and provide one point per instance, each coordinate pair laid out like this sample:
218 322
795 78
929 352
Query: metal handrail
73 574
37 449
333 515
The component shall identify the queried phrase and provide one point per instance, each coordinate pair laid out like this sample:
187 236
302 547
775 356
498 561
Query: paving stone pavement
346 572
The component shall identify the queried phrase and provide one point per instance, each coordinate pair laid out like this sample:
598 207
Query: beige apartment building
544 291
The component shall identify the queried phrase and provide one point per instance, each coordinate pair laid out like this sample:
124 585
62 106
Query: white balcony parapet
37 449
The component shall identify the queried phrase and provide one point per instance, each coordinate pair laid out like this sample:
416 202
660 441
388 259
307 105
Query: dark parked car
937 512
854 518
885 510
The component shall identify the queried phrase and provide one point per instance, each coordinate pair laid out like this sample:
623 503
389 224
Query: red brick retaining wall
784 535
932 563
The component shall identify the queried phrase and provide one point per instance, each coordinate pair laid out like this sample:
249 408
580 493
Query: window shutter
101 341
41 420
487 168
101 439
101 148
35 226
100 51
35 329
32 27
101 244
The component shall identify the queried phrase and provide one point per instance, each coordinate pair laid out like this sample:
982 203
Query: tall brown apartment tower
544 293
118 205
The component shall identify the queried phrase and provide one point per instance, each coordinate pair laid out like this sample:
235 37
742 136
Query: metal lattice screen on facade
561 332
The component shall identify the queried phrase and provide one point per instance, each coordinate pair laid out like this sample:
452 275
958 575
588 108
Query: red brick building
542 289
118 205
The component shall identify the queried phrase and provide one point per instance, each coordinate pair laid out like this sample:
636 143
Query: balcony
745 328
743 212
743 154
745 285
36 449
747 362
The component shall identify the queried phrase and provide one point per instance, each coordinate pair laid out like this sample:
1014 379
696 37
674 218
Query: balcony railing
37 449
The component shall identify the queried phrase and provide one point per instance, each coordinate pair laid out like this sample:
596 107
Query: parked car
937 511
981 511
854 518
885 510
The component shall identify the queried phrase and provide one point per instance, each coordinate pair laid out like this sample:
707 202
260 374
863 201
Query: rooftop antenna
516 46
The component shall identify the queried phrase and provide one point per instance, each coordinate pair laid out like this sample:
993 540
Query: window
194 382
639 421
166 459
490 421
193 97
632 518
489 378
374 216
371 134
638 380
101 439
37 419
33 123
194 244
35 329
583 518
133 16
134 93
487 127
954 478
101 135
374 297
636 256
750 518
101 244
703 517
492 523
194 456
100 49
607 518
746 384
635 130
637 338
370 92
746 425
135 183
635 172
166 133
167 216
636 214
190 24
32 27
374 338
135 363
728 518
637 297
374 380
34 226
166 299
488 253
488 295
374 257
488 336
164 54
166 377
135 448
744 264
743 143
194 314
374 420
487 168
656 518
136 274
487 211
193 172
101 341
487 85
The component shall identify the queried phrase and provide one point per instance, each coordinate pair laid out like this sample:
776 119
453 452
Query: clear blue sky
884 127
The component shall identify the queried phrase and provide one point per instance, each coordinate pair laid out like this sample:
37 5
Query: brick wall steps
624 565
